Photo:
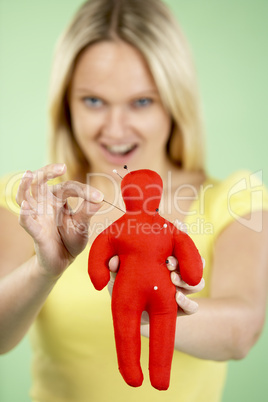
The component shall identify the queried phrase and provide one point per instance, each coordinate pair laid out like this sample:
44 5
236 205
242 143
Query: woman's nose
115 122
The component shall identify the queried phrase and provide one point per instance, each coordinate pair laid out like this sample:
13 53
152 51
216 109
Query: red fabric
143 244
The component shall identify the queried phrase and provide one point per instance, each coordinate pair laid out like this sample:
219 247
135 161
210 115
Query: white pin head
115 171
164 226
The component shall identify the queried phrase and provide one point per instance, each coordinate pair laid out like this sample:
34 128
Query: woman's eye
142 102
92 101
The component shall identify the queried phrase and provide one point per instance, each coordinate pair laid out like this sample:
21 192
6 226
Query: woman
124 92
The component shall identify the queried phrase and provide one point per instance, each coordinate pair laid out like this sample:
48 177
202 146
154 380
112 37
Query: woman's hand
113 266
59 234
185 305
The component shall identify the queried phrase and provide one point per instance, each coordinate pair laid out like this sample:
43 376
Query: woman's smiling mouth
119 149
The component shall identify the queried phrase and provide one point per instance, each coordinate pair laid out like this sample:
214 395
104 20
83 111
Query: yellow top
74 358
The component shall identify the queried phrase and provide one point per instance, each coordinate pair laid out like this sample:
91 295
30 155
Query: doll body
143 240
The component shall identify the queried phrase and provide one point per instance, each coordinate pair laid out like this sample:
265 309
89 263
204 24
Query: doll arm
190 261
100 253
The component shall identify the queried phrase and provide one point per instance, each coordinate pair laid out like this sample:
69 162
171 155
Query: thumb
84 213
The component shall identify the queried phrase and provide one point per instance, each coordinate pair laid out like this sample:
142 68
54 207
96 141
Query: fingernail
24 204
170 263
26 174
59 168
97 196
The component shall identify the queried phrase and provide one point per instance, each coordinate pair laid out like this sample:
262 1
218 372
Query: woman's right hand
59 234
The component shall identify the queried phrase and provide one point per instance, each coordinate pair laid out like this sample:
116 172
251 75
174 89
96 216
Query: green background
229 42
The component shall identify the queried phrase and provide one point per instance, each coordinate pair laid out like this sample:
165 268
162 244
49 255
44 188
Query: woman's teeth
120 149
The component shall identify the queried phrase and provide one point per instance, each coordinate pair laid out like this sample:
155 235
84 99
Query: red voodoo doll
143 240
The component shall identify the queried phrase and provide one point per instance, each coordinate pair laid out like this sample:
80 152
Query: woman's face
116 112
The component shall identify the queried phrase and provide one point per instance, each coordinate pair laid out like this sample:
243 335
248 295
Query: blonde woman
123 91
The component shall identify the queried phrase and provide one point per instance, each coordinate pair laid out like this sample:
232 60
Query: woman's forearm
22 294
222 329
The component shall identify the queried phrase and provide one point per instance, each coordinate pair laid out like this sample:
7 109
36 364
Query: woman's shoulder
234 198
238 185
242 175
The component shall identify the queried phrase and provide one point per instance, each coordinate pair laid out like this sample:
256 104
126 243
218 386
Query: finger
42 175
77 222
49 172
23 192
114 263
85 211
144 318
181 226
189 306
27 219
172 263
177 281
111 282
112 277
77 189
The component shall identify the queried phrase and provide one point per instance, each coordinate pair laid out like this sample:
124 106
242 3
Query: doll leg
162 337
128 343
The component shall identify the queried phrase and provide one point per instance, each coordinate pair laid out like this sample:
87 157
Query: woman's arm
16 246
228 323
31 265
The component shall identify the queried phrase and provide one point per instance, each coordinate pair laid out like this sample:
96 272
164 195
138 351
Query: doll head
142 191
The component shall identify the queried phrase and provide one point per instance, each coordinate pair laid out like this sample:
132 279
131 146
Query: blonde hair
150 27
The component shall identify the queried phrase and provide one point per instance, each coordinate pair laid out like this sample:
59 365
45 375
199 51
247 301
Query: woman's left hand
186 306
113 266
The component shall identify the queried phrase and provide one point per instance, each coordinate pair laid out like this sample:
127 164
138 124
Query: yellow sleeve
8 189
235 198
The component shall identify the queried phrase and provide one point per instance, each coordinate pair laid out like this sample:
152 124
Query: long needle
114 206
